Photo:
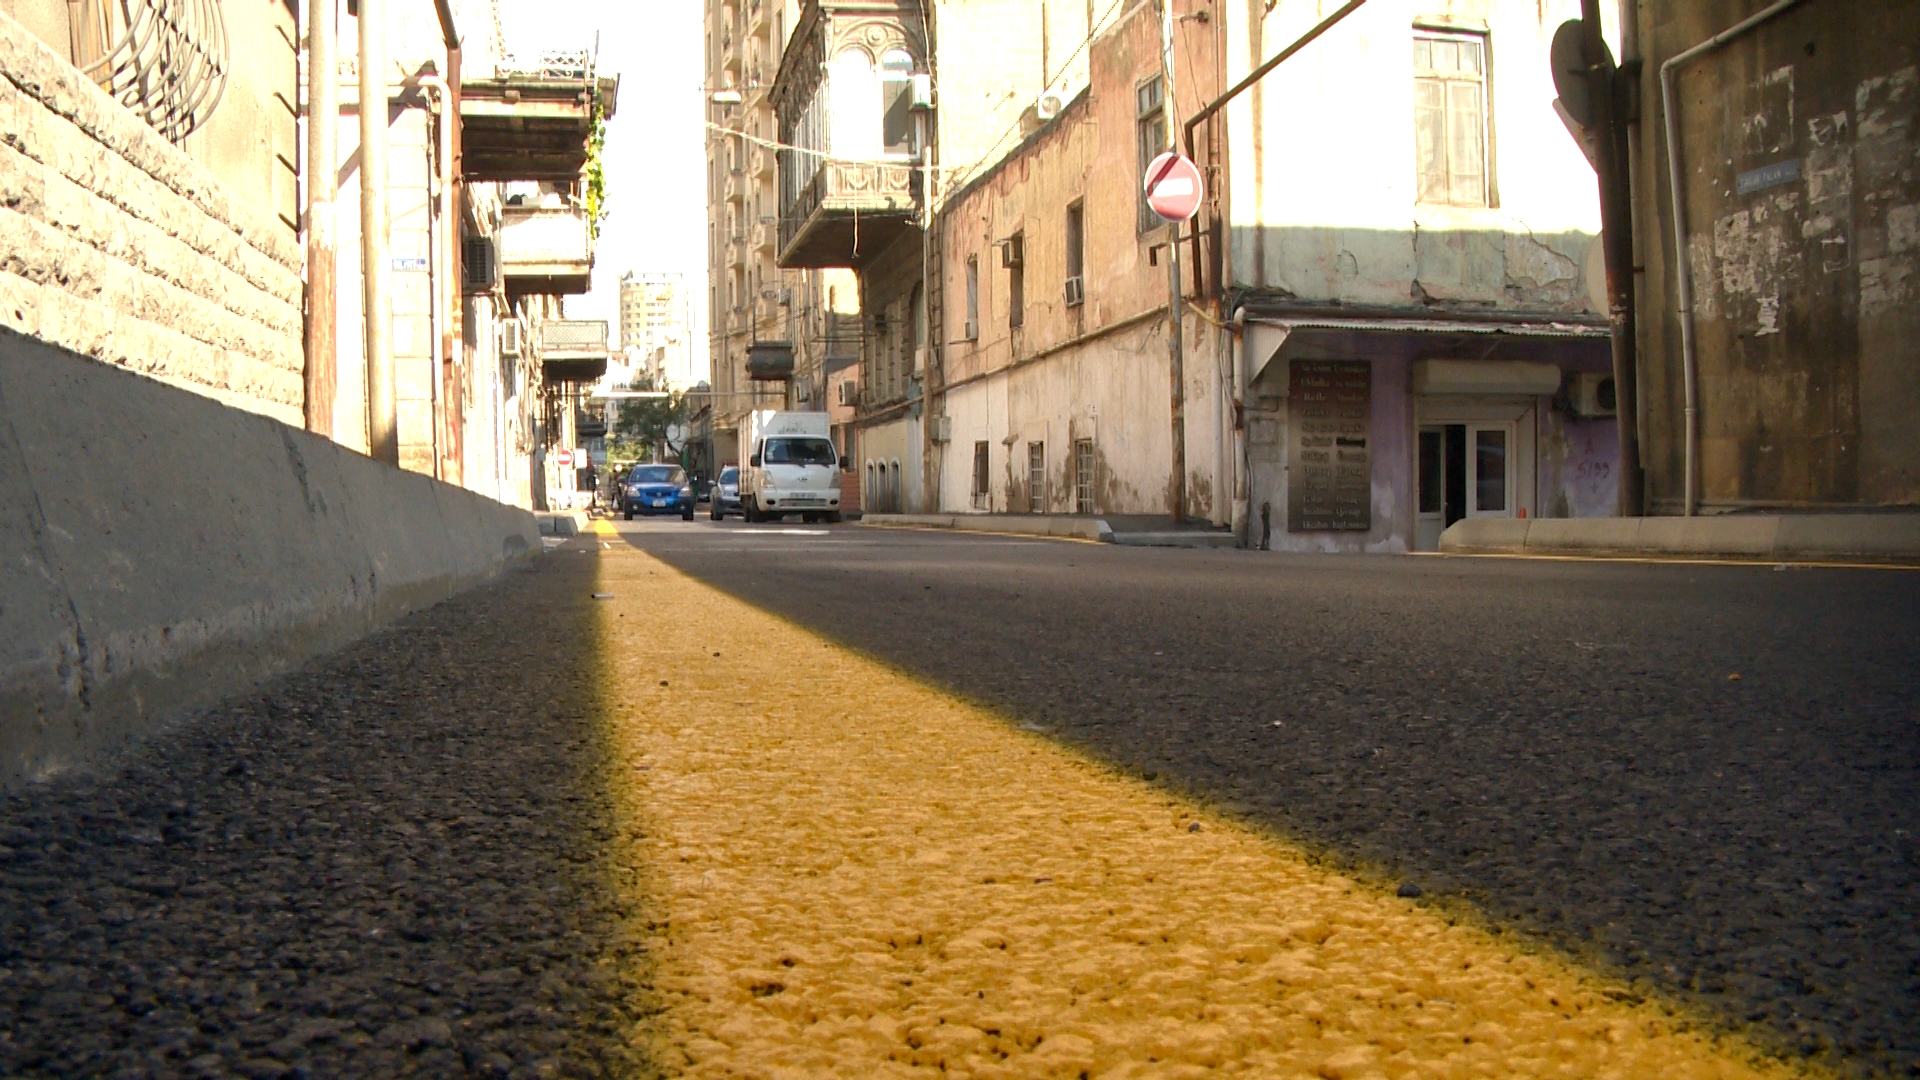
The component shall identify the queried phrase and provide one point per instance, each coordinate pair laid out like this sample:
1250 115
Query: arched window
896 98
855 124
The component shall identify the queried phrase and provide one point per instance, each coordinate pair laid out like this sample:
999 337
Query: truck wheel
810 519
749 510
834 518
713 513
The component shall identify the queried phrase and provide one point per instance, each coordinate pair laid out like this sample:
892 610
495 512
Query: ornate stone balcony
848 212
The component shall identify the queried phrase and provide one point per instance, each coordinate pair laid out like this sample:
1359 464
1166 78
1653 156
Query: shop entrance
1472 466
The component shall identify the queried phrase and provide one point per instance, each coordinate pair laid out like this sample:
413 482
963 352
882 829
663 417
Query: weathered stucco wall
1095 369
116 244
1802 189
1324 201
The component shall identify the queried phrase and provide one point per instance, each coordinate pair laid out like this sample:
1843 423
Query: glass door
1466 470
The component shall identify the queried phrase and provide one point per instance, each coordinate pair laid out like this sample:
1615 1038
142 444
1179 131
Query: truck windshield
790 451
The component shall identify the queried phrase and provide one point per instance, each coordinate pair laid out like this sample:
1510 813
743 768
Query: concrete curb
1893 538
1017 524
166 551
561 523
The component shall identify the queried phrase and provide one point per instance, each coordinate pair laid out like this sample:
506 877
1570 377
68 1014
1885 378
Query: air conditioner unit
1593 395
941 430
920 93
479 264
849 392
1048 106
513 338
1012 252
1076 291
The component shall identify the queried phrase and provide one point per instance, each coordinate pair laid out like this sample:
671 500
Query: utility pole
323 189
1616 237
376 267
1176 345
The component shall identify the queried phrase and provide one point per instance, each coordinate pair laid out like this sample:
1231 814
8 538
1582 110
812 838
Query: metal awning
1277 336
524 127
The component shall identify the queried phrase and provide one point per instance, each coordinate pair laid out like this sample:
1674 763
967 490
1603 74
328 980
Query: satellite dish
1568 57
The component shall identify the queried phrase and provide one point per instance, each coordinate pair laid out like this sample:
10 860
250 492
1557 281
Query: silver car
726 494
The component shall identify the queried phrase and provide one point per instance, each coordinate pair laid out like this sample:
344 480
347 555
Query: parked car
726 494
656 489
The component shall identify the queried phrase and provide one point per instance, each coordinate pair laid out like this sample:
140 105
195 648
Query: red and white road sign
1174 188
563 458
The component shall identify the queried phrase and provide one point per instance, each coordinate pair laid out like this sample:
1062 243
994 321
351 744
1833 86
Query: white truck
789 467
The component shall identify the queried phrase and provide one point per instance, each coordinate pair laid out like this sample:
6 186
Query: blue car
656 489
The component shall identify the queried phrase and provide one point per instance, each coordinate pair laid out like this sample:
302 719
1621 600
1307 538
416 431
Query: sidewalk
1880 538
1131 530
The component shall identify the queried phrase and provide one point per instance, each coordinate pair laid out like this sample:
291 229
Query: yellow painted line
1666 560
602 527
848 873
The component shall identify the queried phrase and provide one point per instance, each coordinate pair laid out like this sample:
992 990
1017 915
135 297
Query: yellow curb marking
851 874
1664 560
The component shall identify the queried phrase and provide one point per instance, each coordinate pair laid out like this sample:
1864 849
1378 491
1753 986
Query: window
896 103
1450 118
799 451
1076 254
1083 476
980 476
1151 109
1036 478
1015 258
973 297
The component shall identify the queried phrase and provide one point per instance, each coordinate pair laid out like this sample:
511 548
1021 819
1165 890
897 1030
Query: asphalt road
1702 778
399 861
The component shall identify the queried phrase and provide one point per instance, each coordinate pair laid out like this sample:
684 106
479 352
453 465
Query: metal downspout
376 268
1683 272
442 259
322 373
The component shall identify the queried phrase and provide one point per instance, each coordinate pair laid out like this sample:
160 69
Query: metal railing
167 60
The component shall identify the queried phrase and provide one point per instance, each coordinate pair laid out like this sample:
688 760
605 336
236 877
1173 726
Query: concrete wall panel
176 550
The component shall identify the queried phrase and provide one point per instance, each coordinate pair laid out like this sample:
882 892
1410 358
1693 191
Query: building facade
1797 223
1422 316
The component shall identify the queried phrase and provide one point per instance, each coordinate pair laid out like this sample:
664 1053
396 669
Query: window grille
1036 478
1083 476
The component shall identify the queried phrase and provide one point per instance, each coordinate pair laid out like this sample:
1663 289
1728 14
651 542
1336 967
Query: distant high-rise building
655 331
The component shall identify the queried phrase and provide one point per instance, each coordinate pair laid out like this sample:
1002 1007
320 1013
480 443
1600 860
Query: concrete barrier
1886 537
163 551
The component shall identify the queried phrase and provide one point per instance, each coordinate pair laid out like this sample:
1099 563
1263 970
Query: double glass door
1466 470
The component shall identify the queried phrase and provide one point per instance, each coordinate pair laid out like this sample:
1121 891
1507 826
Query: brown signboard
1330 446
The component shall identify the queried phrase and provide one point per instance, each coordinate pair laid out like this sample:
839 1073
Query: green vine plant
597 172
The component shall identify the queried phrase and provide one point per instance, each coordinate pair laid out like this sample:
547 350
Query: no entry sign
1174 188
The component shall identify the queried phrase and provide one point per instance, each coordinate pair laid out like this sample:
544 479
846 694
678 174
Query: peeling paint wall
1094 369
1802 182
1323 216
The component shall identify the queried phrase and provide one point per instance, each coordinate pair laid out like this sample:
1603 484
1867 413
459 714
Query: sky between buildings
656 156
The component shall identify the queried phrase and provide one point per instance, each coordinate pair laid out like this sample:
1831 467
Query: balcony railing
817 228
572 350
546 249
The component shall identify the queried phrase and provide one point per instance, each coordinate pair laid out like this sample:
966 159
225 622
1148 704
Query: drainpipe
1255 76
442 97
322 373
1683 272
1236 343
376 267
